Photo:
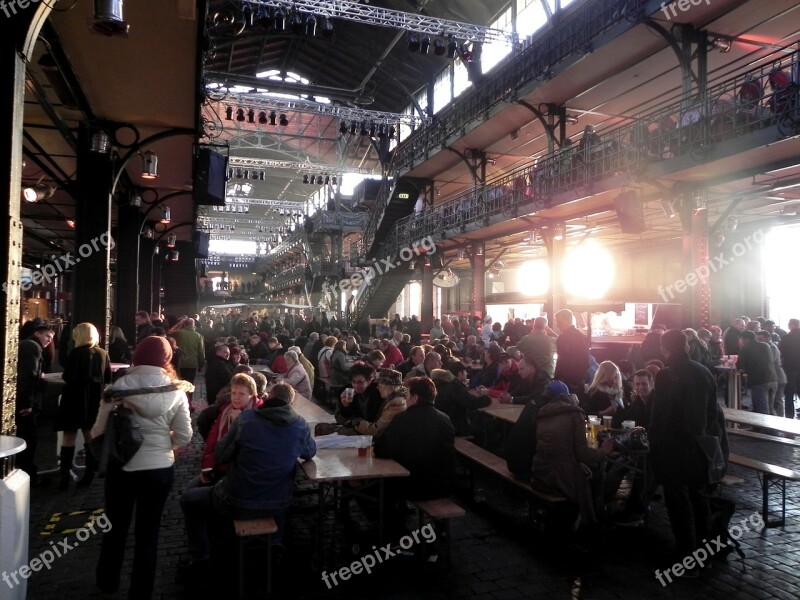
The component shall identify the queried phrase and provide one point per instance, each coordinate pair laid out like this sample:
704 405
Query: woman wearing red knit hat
152 390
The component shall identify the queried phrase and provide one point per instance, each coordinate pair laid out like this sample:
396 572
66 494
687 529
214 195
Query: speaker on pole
630 212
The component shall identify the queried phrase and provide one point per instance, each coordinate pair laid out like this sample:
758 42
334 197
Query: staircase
382 292
395 201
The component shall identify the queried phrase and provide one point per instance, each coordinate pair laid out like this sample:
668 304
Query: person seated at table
490 374
605 396
376 358
422 440
471 350
433 360
309 368
394 395
352 347
276 360
261 450
562 457
324 357
243 395
530 384
366 401
405 345
296 375
454 399
392 354
218 371
257 350
340 372
415 357
509 376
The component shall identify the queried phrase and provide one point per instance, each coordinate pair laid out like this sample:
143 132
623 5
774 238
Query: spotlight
326 28
296 23
425 45
166 215
157 250
364 128
107 19
668 208
149 165
305 178
37 192
722 45
558 232
251 116
262 176
319 180
452 48
283 121
381 131
148 233
342 127
353 127
174 256
100 142
465 53
413 42
229 113
439 47
240 114
392 132
372 130
135 199
279 17
327 179
333 180
263 19
262 118
171 239
311 25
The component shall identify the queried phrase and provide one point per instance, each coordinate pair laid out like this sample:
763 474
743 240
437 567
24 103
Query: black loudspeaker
200 245
630 212
211 171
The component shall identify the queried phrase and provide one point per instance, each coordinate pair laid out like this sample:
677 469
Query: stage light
37 192
319 180
229 113
283 121
425 45
364 128
174 256
171 240
342 128
296 23
452 48
333 180
279 19
251 116
273 118
166 215
311 25
305 178
439 47
413 42
240 114
392 132
353 127
262 118
100 142
326 28
372 130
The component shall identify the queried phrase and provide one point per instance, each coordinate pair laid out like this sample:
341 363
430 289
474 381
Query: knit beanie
154 351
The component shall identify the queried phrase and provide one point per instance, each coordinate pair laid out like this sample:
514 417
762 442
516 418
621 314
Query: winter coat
390 408
87 370
193 346
298 379
163 417
366 406
262 448
454 400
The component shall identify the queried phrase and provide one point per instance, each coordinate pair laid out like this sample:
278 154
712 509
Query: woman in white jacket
151 389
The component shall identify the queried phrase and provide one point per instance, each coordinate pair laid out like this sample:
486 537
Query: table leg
380 510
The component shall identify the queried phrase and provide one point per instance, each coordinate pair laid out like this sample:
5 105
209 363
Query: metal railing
382 199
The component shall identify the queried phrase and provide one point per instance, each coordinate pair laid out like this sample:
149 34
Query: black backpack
719 525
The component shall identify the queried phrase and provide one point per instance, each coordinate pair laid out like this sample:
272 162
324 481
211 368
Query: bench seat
769 476
252 528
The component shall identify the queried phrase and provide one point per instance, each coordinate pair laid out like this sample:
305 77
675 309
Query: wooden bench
439 509
769 476
253 528
498 466
763 436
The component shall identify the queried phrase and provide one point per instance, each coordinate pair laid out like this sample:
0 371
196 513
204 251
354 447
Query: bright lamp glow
533 278
587 271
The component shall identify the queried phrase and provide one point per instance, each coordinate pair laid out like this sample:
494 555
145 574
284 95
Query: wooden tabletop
505 412
310 411
746 417
344 464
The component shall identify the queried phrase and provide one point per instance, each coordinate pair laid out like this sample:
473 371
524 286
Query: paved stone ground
495 555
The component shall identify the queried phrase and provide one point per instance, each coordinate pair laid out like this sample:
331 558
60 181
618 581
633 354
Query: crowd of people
413 398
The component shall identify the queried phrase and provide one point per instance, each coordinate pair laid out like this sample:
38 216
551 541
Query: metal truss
258 102
384 17
301 167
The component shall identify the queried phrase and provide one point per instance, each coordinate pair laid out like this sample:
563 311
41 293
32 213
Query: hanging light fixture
171 240
166 215
342 127
273 118
157 250
100 142
262 118
452 48
240 114
251 116
284 122
412 40
425 44
148 233
135 199
37 192
305 178
149 165
279 17
319 180
311 25
439 47
326 28
174 256
296 22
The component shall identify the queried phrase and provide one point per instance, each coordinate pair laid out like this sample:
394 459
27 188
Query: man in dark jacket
573 353
530 385
366 401
454 399
790 356
29 389
684 407
755 359
262 447
218 371
422 440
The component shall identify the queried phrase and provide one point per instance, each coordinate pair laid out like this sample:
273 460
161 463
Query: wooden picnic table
746 417
505 412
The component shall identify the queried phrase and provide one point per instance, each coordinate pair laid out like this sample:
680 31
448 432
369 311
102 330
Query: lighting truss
301 167
258 102
384 17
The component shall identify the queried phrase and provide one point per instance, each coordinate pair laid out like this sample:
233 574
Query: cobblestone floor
495 555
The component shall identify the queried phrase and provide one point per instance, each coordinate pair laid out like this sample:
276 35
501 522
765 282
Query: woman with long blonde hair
605 395
87 369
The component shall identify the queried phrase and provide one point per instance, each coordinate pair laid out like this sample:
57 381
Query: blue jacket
262 448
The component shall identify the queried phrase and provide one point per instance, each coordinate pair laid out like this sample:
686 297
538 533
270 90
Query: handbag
120 441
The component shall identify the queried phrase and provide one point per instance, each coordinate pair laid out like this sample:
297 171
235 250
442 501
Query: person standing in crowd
573 353
152 390
30 367
118 350
790 356
218 372
539 346
684 407
87 370
755 359
776 405
193 347
730 339
144 327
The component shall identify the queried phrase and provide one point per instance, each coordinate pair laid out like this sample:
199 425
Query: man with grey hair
306 364
296 375
433 360
539 346
309 349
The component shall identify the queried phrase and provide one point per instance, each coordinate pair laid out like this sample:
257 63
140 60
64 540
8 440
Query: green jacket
192 344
